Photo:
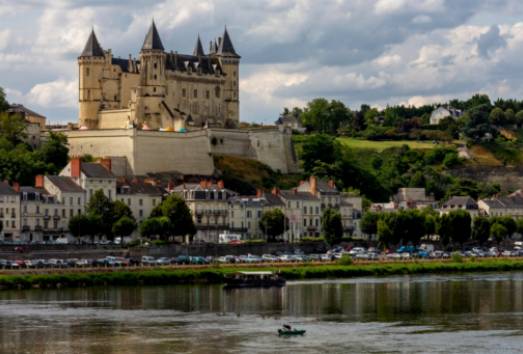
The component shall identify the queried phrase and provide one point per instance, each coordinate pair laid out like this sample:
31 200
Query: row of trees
103 217
399 122
455 227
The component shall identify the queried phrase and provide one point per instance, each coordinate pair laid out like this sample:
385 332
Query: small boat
289 331
254 280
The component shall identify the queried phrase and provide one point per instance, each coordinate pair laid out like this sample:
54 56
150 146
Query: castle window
87 71
155 76
154 89
88 94
217 91
184 93
155 65
207 94
195 93
234 73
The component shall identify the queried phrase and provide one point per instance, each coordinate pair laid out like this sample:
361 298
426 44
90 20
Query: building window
304 222
141 213
154 202
217 91
140 202
248 214
129 201
63 213
195 93
155 65
207 94
79 201
184 93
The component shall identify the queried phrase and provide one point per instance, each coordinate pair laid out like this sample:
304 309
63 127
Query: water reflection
368 313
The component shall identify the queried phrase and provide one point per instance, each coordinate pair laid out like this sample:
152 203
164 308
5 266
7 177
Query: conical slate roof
92 47
152 39
226 46
198 48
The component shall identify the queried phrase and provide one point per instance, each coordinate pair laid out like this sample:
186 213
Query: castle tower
152 88
230 62
90 67
198 48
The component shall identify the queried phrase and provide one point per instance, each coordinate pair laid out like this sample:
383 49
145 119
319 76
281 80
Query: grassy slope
382 145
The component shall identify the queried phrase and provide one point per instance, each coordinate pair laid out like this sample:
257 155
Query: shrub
457 257
345 260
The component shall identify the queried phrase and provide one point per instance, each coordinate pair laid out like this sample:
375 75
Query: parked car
148 260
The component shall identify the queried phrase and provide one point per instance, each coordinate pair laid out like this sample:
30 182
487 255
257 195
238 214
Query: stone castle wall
139 152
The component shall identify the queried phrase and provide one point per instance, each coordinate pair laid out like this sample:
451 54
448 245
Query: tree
406 226
508 222
100 206
178 214
273 224
455 226
332 226
120 209
54 152
124 226
519 118
4 105
155 226
369 223
84 225
322 148
497 116
481 229
12 128
498 232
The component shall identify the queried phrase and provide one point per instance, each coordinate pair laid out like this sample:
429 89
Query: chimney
209 183
170 185
295 190
331 183
203 184
314 184
16 187
39 181
259 193
275 191
107 163
221 185
75 167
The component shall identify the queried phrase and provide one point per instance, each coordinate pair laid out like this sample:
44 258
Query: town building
245 213
208 203
511 205
460 203
9 212
42 216
161 89
92 177
35 123
139 196
441 113
413 198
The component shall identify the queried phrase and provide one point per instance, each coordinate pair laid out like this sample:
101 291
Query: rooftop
5 189
65 184
95 170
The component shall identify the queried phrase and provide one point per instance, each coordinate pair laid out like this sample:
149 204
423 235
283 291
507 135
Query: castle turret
198 48
152 88
90 67
230 63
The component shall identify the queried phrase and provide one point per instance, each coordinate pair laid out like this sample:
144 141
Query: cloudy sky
359 51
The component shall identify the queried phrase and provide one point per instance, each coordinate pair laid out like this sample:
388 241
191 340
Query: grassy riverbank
215 275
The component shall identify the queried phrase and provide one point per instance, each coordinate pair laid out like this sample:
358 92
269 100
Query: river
471 313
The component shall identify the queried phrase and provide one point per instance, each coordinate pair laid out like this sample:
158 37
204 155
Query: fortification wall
270 146
187 153
139 152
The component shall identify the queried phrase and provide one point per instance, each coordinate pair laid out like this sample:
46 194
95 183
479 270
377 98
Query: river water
477 313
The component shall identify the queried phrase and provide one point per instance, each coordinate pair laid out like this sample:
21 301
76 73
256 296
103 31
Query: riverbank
216 274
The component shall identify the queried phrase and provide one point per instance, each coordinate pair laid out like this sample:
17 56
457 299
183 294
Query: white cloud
59 93
4 38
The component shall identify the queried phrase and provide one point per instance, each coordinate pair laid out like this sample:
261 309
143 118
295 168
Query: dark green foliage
498 232
4 105
319 148
323 116
273 224
369 223
481 229
178 214
332 226
455 227
154 227
124 226
54 152
403 227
